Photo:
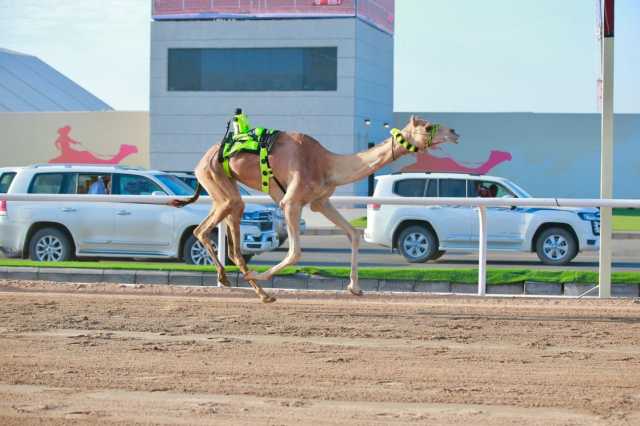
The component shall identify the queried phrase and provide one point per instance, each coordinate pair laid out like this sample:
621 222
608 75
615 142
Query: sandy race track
110 354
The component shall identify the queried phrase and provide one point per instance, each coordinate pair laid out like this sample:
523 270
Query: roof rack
69 165
186 172
442 172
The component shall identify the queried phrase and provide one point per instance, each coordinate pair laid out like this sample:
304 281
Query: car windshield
176 186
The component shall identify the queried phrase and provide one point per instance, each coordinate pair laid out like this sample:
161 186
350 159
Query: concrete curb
329 231
626 235
306 282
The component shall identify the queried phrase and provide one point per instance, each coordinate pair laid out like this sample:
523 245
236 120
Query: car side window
409 187
193 182
432 188
94 183
486 189
134 185
53 183
502 191
453 188
5 181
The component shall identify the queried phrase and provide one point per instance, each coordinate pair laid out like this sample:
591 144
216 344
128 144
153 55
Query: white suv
423 233
56 231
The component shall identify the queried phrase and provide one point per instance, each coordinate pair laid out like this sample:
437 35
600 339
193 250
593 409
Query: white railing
480 203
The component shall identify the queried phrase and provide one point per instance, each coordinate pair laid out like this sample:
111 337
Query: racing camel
306 174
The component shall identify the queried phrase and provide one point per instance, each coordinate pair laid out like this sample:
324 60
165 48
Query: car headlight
258 215
594 218
589 216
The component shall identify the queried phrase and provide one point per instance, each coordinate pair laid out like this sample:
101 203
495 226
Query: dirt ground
132 354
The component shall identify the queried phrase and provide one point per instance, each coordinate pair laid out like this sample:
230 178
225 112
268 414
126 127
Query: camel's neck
350 168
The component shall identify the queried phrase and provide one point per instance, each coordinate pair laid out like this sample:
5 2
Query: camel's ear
413 121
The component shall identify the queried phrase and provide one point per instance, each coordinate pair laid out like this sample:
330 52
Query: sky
450 56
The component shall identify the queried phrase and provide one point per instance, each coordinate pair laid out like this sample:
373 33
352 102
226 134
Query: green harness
254 141
399 138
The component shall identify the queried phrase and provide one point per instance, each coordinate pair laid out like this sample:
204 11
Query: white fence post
606 152
221 244
482 255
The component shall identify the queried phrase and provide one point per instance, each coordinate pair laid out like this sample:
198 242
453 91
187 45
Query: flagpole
606 154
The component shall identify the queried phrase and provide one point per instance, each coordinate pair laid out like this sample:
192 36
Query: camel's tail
182 203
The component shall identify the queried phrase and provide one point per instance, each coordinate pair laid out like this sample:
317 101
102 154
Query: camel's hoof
355 292
267 299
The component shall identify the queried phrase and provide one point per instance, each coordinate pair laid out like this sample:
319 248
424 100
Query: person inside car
100 186
482 191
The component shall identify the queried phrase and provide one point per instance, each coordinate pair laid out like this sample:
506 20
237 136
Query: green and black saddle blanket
259 141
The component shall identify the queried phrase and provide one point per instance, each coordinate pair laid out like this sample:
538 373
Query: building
47 117
321 67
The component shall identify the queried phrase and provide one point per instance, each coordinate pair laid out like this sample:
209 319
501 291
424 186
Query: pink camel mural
70 155
425 162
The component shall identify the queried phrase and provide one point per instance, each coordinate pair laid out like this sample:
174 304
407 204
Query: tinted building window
253 69
453 188
53 183
410 187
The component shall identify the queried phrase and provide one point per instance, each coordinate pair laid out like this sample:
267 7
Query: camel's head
425 135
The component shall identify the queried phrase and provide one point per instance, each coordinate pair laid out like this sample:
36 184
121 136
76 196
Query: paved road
333 250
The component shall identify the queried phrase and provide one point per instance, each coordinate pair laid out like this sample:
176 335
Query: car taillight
3 207
374 206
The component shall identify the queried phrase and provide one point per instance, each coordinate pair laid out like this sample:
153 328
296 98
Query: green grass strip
359 223
468 276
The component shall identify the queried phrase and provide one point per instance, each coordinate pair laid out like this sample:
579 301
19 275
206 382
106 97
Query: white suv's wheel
195 253
417 244
49 245
556 246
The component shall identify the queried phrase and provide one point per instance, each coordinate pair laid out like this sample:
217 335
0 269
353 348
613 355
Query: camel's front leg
292 212
329 211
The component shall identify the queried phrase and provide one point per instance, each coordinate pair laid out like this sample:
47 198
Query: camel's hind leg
203 234
325 207
233 224
228 203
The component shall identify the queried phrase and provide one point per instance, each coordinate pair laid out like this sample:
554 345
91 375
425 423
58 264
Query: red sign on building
379 13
